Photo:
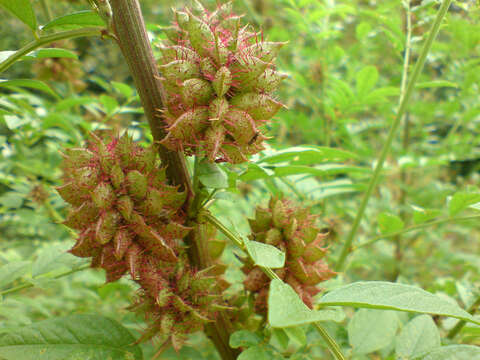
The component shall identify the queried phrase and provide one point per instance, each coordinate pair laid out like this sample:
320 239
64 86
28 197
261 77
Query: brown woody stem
132 38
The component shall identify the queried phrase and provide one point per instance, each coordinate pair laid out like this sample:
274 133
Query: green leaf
366 80
306 155
297 335
51 53
393 296
81 337
286 309
23 10
13 271
211 176
389 223
319 170
417 338
421 215
244 338
28 83
78 19
258 353
371 330
455 352
122 88
435 84
265 255
109 103
255 172
461 200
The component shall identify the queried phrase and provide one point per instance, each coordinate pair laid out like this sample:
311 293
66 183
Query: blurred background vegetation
344 60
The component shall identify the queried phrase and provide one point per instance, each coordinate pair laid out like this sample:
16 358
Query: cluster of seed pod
291 229
130 221
219 78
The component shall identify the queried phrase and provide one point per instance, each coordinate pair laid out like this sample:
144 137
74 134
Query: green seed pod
179 70
154 202
78 157
222 81
123 150
163 297
233 154
125 207
184 282
291 228
279 214
267 82
217 109
201 36
116 176
246 70
70 193
190 123
241 126
85 178
273 237
177 52
173 34
136 184
259 106
122 240
103 196
82 216
167 323
265 50
196 91
107 227
182 19
220 53
314 253
208 68
214 137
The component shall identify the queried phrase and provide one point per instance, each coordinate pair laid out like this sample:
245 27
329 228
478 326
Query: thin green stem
391 134
332 345
47 39
416 227
46 9
459 326
226 231
237 240
29 285
399 248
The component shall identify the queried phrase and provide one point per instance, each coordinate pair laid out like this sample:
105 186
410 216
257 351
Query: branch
48 39
393 129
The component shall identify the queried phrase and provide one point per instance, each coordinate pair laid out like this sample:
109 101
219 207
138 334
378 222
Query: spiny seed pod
219 78
176 299
121 205
291 229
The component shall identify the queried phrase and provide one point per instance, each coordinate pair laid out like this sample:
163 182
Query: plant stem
29 285
393 129
416 227
399 248
47 39
131 34
459 326
332 345
46 9
226 231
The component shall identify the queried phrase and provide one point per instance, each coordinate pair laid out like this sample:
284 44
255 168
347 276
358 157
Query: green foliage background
345 61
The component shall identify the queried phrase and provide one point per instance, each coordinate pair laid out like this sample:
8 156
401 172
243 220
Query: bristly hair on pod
292 229
219 77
